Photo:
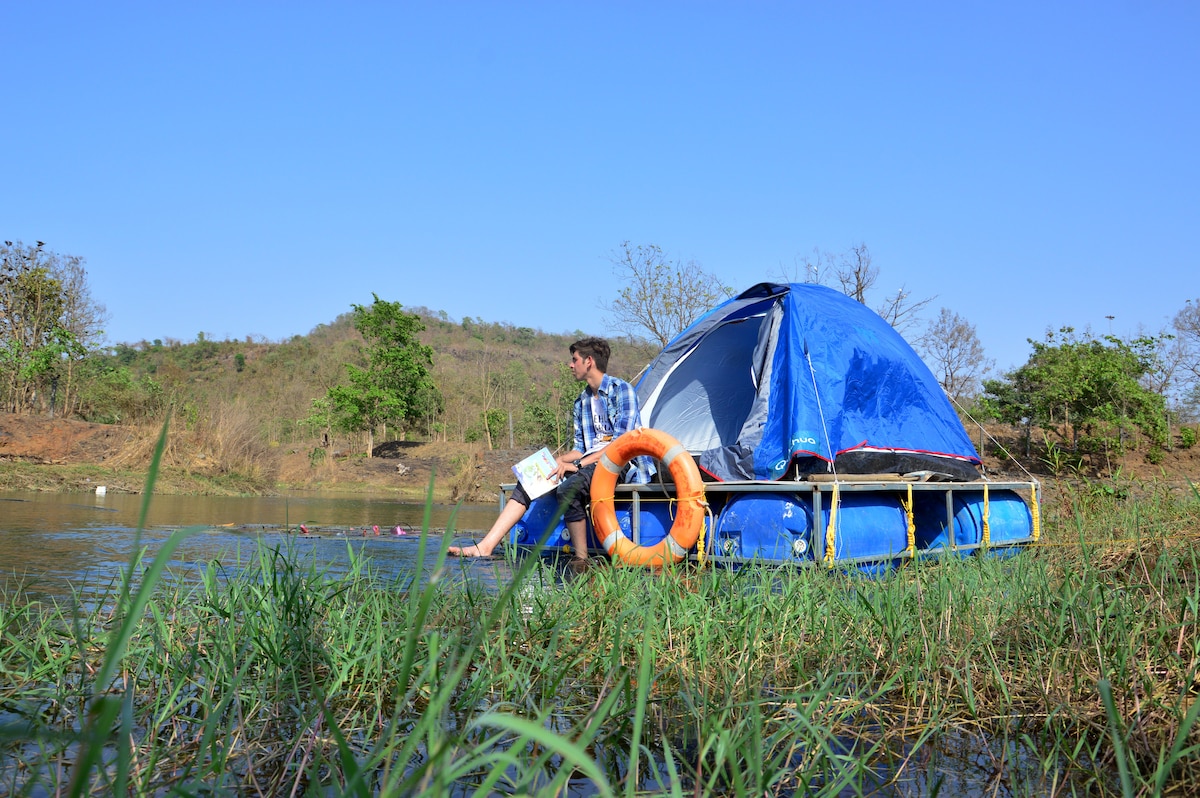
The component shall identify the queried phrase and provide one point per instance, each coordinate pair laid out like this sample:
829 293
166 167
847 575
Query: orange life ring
689 493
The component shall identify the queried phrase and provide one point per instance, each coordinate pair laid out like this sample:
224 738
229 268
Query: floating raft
869 522
824 439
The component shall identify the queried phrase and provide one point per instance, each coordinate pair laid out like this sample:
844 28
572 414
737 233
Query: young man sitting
606 408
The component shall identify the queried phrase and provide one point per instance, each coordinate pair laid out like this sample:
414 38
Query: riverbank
48 454
62 455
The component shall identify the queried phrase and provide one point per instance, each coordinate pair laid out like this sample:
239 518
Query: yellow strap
1037 516
987 532
912 525
829 531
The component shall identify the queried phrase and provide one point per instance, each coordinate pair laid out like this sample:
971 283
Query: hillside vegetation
241 416
240 409
384 379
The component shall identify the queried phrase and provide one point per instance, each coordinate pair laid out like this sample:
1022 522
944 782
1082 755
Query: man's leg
578 530
576 491
509 516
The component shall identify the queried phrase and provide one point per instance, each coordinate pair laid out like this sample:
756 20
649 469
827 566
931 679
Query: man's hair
595 348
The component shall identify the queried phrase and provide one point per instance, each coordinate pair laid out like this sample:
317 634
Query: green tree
1088 392
48 321
500 391
493 423
109 393
546 418
428 406
394 384
320 420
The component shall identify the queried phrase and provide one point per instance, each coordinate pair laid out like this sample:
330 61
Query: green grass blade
1116 734
573 755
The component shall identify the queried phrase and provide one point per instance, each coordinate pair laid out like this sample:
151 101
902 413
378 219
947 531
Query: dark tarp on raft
786 375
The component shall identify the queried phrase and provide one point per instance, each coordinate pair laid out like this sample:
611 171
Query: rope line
1037 515
830 533
835 496
991 438
912 524
701 554
821 412
651 499
1043 544
987 530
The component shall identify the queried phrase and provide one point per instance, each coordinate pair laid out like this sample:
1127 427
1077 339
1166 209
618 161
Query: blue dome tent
787 380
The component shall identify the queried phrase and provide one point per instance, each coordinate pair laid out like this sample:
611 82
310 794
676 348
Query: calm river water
53 543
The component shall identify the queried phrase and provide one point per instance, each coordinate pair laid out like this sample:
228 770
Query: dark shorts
575 491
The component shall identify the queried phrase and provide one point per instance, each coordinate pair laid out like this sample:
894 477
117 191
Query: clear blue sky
254 168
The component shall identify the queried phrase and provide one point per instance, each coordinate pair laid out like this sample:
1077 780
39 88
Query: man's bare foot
469 551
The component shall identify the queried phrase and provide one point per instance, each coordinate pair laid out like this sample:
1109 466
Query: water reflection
56 544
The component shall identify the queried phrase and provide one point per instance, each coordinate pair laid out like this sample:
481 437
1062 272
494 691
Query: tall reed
1069 669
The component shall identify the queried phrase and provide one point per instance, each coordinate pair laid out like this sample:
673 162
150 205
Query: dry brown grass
229 436
223 441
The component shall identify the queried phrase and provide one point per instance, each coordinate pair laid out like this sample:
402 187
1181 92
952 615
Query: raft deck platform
871 522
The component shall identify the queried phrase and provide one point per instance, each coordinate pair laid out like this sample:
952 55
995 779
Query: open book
537 473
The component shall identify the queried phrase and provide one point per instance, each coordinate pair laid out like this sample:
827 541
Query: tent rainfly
796 379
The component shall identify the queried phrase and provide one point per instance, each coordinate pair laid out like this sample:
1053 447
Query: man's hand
566 464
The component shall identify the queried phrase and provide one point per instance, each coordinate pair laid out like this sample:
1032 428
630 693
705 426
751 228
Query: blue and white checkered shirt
607 414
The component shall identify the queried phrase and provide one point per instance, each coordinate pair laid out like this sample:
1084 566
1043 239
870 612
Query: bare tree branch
660 297
955 355
855 274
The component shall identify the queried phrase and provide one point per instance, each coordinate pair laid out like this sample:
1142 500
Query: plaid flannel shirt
618 411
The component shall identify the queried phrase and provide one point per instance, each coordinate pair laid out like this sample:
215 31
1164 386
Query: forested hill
1085 401
242 406
498 382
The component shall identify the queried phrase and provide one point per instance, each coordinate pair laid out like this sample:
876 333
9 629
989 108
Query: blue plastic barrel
767 526
541 513
778 527
1009 519
933 533
654 521
871 527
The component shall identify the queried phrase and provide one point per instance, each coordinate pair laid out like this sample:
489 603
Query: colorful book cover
537 473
